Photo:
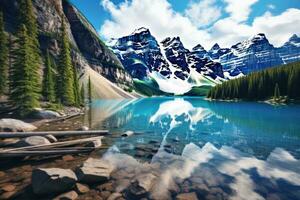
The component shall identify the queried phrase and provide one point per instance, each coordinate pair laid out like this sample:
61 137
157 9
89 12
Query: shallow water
219 150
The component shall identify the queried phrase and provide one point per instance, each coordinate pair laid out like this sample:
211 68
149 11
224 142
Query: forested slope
281 81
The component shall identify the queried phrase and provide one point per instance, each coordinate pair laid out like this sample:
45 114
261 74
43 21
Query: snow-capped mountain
175 69
290 51
216 51
257 53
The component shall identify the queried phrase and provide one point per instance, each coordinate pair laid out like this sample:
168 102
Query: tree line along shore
278 83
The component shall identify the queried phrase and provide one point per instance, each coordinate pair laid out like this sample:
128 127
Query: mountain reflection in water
216 149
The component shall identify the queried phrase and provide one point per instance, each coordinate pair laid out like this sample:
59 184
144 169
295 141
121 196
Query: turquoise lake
219 150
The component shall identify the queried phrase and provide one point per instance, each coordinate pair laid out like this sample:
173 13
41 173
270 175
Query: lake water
214 150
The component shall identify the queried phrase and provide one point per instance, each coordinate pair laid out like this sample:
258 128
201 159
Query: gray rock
14 125
32 141
95 144
52 180
187 196
127 134
72 195
45 114
94 171
51 138
84 128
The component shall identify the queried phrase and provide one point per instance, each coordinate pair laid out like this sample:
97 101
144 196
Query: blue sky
195 21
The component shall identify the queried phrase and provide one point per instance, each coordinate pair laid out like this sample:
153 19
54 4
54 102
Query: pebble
68 158
72 195
81 188
7 195
2 174
9 188
105 194
106 187
187 196
114 196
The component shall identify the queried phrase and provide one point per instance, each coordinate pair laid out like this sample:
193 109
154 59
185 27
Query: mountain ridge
189 66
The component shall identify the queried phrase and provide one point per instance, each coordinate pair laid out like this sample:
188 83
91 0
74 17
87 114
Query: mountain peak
140 30
215 47
172 41
198 47
259 37
294 38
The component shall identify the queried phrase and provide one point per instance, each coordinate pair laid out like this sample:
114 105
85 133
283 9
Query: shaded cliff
88 51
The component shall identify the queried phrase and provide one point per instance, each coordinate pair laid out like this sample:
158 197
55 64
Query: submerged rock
32 141
127 134
52 180
14 125
141 187
94 171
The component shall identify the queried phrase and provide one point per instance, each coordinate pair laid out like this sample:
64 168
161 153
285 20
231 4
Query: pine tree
76 88
25 95
276 91
48 81
3 57
65 84
82 94
27 17
90 90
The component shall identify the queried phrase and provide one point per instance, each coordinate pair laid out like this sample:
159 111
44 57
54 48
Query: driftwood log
4 135
54 145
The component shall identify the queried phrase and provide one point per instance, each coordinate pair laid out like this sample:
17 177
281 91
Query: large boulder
52 180
32 141
94 171
45 114
14 125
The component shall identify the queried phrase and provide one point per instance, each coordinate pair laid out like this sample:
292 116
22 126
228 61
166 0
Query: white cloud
203 12
163 21
239 10
278 29
157 15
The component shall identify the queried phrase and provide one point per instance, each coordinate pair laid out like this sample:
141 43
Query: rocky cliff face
87 48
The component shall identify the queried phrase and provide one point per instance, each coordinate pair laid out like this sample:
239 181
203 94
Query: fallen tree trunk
43 153
54 133
54 145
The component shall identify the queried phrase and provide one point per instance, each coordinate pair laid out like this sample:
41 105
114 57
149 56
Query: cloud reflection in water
210 171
